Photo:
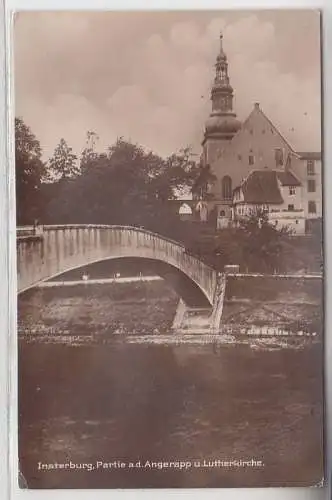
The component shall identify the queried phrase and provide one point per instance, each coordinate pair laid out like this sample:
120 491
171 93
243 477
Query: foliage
260 243
63 165
204 179
126 185
89 154
30 171
255 245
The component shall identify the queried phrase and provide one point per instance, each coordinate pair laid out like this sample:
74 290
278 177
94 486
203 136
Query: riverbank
147 307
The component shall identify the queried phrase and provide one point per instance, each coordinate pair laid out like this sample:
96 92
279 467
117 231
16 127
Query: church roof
261 186
258 109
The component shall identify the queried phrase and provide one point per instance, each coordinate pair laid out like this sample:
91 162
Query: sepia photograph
169 247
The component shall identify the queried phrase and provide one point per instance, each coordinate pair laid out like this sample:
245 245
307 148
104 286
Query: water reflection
138 402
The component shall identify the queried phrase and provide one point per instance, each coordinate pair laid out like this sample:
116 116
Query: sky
147 76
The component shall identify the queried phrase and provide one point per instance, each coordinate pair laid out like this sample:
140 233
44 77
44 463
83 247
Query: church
254 153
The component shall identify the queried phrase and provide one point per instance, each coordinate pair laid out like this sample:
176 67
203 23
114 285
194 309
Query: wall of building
295 199
278 215
294 221
300 168
258 138
213 148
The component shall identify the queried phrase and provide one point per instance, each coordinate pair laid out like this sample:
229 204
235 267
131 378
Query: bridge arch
61 248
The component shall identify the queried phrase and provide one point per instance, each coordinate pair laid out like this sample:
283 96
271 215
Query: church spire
222 123
222 92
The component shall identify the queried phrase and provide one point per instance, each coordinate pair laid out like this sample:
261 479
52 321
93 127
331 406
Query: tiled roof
261 186
287 178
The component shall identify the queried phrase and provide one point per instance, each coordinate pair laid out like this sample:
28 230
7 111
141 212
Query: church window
311 186
251 159
226 188
292 190
222 213
310 167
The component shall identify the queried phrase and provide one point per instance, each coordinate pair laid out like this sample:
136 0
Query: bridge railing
24 230
52 227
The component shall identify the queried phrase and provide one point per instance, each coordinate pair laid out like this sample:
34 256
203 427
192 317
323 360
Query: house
278 193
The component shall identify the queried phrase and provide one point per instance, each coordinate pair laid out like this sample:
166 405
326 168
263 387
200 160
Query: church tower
222 124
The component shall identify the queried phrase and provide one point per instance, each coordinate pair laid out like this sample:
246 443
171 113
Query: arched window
185 209
226 188
222 213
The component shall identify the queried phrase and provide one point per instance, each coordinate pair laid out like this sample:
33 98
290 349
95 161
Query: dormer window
251 159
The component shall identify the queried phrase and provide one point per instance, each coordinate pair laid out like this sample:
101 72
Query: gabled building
278 193
233 150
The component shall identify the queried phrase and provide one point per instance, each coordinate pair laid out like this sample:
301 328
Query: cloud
147 76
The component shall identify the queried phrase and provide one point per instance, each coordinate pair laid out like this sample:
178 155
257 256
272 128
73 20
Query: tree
261 242
176 174
89 154
63 165
30 172
127 185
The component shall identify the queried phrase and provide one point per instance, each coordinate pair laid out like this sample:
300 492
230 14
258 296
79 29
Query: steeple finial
221 47
221 56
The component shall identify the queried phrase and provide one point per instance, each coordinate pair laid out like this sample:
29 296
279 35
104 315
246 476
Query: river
97 410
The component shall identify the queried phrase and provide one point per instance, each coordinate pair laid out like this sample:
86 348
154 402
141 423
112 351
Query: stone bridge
47 251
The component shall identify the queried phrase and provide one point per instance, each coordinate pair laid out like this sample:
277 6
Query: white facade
308 169
295 221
